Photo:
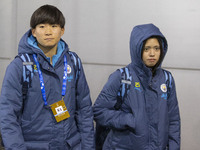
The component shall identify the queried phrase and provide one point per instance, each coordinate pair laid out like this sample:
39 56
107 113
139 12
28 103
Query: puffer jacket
146 120
29 124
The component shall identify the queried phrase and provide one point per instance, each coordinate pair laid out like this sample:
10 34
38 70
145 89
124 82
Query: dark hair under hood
138 35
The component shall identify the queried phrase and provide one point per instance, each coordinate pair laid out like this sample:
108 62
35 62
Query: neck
49 51
50 54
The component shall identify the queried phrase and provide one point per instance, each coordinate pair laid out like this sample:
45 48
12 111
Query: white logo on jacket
69 69
163 87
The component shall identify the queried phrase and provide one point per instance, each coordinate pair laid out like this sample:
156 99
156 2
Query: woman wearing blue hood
148 117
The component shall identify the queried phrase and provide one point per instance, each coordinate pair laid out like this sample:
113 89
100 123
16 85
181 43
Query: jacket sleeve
84 112
174 120
104 112
11 106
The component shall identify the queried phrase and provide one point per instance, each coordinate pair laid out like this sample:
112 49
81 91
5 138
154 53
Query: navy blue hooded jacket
146 120
29 124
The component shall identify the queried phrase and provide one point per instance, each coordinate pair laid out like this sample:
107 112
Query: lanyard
64 86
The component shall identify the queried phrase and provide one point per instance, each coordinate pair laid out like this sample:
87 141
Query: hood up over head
138 35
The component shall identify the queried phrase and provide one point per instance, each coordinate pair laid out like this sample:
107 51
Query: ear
62 31
33 32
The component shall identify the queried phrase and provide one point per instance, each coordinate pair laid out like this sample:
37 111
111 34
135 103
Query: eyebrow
150 46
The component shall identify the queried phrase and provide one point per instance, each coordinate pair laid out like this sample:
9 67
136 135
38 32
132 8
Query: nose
152 52
48 30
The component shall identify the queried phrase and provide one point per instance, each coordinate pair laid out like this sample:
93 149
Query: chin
150 66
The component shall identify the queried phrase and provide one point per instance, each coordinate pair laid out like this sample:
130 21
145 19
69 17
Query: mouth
151 60
48 39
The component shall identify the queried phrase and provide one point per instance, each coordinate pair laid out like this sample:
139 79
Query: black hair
47 14
161 51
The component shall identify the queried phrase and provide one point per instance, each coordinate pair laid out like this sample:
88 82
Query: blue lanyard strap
64 86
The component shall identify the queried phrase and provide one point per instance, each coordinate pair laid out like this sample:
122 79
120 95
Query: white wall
99 30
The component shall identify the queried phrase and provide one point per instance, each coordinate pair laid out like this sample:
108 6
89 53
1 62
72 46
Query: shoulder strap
126 79
77 64
168 81
102 131
28 70
27 73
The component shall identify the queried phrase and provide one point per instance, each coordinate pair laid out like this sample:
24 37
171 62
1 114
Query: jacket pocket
128 140
37 145
74 140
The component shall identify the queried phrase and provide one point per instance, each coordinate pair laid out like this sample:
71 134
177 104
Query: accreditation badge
60 111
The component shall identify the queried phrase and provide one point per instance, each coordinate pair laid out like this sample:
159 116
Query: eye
157 48
54 25
146 49
41 26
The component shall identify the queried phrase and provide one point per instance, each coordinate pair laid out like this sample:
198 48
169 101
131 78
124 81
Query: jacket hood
25 47
138 35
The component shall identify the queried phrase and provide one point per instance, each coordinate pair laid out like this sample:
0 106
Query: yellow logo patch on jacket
137 84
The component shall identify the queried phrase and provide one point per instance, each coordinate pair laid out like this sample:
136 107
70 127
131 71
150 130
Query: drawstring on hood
139 34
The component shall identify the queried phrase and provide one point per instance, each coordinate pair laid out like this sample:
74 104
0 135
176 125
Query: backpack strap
28 70
126 79
27 73
102 131
77 64
168 81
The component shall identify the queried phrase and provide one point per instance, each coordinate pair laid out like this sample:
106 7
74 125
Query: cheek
37 34
58 35
158 55
144 56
